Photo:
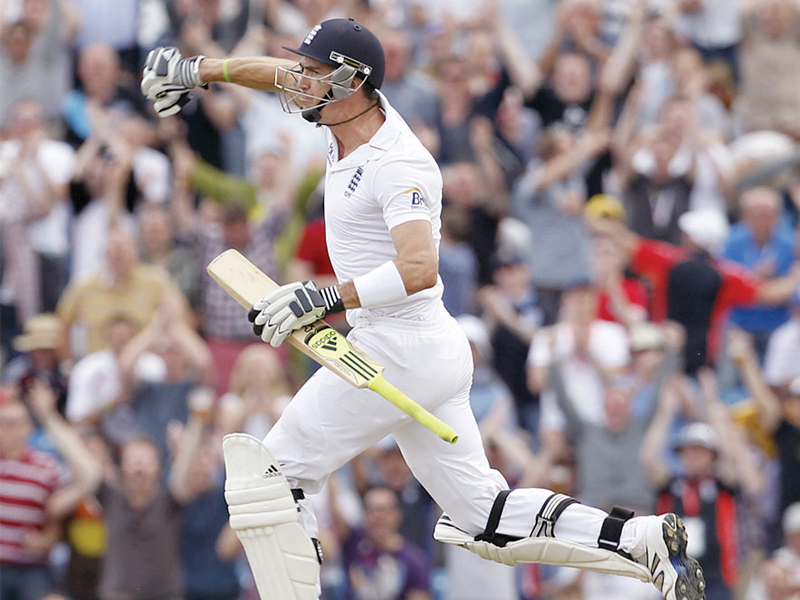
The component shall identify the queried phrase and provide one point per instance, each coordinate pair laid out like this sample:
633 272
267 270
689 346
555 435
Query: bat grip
379 385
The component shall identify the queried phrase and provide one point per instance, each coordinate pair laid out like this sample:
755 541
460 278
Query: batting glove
291 307
167 79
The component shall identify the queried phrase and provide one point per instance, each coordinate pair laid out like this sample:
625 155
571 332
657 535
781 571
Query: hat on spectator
791 519
646 336
40 332
707 228
513 236
697 434
604 206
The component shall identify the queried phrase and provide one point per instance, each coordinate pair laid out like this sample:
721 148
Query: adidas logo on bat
327 341
272 471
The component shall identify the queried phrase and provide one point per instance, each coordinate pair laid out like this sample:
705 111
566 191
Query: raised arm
483 142
182 204
522 70
589 146
742 354
617 70
85 468
778 290
179 482
168 78
652 449
256 72
737 465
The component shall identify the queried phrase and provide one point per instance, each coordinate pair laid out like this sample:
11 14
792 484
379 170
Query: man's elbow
424 275
429 276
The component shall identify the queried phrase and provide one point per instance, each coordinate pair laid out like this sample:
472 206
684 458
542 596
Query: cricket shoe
676 574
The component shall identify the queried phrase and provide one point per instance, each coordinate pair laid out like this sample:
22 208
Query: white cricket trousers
329 422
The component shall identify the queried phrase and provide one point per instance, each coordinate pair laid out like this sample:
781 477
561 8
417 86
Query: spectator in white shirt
588 349
35 172
97 393
713 27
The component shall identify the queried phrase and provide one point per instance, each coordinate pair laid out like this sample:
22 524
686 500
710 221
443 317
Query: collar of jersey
377 146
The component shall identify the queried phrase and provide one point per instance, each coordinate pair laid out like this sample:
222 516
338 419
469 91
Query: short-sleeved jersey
389 181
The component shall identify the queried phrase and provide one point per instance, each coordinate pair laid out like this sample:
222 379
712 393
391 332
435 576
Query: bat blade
240 278
246 283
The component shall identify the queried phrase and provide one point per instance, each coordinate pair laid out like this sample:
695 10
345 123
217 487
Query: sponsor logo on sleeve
415 197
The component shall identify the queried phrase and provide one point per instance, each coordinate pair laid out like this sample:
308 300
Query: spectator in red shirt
32 498
717 477
692 286
311 260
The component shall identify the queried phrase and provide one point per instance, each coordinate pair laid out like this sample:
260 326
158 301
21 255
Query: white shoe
677 575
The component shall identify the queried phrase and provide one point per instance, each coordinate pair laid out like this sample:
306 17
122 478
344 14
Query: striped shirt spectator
32 497
26 483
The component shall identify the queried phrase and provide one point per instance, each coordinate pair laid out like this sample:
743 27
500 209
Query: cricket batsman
383 201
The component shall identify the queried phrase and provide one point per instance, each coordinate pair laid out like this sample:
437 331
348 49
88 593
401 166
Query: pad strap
490 533
549 513
611 530
298 494
318 548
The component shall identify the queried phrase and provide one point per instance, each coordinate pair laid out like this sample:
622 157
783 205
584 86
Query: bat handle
415 411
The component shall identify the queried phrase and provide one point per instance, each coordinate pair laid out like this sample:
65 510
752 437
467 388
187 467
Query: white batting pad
545 550
266 519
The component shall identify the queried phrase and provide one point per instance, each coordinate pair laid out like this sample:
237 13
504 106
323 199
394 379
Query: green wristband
225 75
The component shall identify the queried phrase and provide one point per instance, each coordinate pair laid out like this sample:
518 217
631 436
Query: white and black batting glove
291 307
167 79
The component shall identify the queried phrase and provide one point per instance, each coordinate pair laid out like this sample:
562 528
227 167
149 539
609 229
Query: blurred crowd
619 243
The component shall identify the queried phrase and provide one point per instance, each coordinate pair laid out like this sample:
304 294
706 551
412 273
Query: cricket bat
246 283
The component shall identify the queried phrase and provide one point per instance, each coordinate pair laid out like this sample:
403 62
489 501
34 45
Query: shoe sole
689 583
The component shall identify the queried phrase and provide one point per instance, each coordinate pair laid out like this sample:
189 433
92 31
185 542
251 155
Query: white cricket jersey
389 181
